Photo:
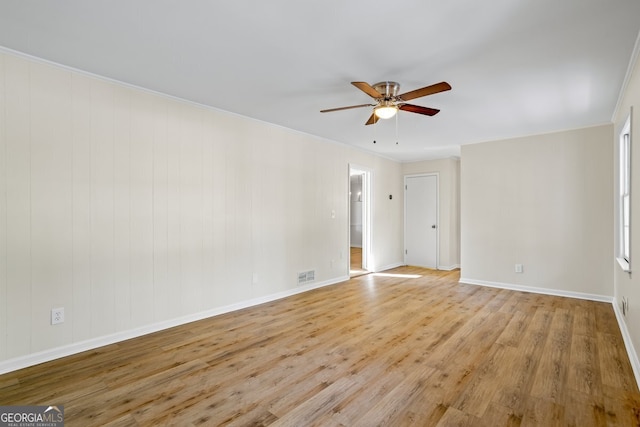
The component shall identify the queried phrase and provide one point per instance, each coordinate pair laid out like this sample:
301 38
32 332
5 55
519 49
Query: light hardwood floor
356 262
416 348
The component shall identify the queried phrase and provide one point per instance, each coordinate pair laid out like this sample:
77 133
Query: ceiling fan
388 102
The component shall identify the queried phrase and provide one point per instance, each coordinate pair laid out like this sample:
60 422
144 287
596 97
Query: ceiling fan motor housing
388 89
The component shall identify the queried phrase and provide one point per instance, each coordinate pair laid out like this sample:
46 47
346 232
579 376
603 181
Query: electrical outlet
57 315
519 268
625 306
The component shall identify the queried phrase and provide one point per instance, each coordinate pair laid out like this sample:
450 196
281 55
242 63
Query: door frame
367 206
418 175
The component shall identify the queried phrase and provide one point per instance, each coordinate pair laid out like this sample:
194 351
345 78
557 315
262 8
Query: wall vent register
306 277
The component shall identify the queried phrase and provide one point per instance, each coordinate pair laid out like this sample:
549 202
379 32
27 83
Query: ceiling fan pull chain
375 125
396 129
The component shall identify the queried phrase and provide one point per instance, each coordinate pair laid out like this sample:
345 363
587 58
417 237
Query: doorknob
433 226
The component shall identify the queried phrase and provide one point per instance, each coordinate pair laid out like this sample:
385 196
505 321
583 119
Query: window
624 201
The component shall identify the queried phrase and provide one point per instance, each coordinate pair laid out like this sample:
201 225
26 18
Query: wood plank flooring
356 262
412 347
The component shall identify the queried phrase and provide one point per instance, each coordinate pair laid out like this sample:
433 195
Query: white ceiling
517 67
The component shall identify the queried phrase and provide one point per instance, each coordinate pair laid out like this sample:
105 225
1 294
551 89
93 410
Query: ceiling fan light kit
388 102
385 111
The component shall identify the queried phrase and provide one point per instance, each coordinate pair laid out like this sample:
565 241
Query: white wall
628 285
130 209
544 201
387 214
449 205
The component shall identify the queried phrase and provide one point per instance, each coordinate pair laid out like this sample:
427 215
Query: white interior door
421 221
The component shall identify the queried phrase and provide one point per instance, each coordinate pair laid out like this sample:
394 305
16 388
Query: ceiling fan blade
418 109
428 90
347 108
368 89
372 120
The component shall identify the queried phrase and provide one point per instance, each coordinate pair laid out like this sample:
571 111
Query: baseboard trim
389 267
631 352
448 267
628 343
21 362
536 290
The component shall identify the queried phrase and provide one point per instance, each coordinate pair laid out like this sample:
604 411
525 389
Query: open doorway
359 220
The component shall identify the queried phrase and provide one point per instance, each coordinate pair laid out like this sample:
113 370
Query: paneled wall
129 208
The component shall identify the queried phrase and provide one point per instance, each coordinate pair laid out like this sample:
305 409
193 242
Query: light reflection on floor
402 276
